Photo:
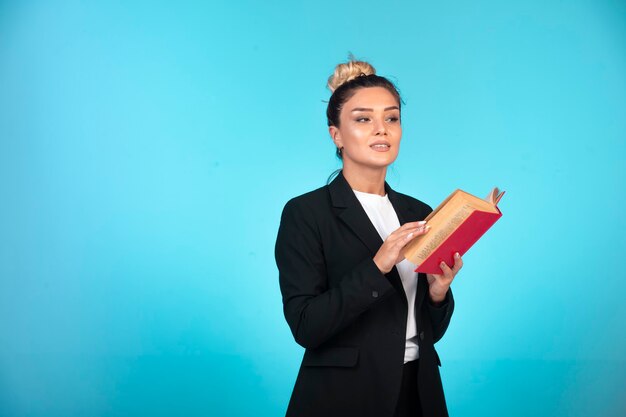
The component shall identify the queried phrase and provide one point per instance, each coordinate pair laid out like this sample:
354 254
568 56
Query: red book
458 223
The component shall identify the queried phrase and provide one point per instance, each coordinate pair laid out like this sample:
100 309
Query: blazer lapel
351 212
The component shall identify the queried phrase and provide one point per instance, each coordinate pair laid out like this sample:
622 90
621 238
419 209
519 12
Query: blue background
147 150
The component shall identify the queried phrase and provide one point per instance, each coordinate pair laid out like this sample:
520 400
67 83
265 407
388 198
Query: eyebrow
367 109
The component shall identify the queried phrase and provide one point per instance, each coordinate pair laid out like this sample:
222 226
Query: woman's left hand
438 285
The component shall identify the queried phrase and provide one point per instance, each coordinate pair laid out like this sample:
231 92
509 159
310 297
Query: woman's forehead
374 98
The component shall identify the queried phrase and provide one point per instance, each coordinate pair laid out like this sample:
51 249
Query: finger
419 231
458 263
404 240
424 228
438 280
402 233
412 234
408 227
447 272
404 236
400 236
412 224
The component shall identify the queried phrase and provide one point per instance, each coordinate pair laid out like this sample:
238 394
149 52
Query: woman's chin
379 163
374 160
384 159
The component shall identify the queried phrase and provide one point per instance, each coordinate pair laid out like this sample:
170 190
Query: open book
458 222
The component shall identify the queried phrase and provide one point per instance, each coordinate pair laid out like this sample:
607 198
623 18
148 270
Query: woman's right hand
390 253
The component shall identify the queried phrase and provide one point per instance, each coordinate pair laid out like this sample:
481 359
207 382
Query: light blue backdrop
146 151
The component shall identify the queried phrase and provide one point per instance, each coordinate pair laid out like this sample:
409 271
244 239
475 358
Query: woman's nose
380 128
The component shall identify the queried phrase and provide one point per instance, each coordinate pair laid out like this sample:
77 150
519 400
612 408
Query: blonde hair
348 71
349 77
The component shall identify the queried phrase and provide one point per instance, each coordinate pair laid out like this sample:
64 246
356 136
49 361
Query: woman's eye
393 119
363 119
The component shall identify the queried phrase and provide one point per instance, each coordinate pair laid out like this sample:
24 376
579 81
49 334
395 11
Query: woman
367 321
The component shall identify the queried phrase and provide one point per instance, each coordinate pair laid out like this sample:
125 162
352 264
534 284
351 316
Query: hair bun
349 71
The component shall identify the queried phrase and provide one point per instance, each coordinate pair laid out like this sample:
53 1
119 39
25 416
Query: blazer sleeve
440 315
315 312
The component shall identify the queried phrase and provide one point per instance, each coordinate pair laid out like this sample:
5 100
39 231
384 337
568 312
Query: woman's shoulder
309 204
309 200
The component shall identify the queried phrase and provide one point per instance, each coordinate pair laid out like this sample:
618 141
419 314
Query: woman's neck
367 180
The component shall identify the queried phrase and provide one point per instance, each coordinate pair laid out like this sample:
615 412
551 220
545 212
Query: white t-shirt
385 220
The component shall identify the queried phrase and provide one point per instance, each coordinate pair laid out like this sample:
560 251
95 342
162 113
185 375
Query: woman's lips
380 147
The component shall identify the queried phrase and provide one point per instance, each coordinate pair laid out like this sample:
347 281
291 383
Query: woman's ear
335 135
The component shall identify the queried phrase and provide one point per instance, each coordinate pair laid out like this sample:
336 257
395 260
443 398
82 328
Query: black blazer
348 315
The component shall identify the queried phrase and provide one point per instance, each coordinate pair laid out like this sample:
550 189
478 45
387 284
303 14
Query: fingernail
422 222
442 264
456 255
427 228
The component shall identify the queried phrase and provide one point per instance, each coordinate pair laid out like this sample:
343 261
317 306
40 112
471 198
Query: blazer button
375 294
422 335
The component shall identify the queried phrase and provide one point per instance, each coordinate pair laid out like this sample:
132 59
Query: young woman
368 323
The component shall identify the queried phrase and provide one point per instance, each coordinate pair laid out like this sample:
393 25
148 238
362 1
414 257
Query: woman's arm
440 315
441 302
314 312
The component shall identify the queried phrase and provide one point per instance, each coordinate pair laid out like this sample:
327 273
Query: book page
479 203
439 234
443 204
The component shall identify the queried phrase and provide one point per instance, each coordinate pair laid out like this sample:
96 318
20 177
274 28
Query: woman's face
370 129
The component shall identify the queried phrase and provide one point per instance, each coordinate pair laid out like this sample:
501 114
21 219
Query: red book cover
458 223
459 241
